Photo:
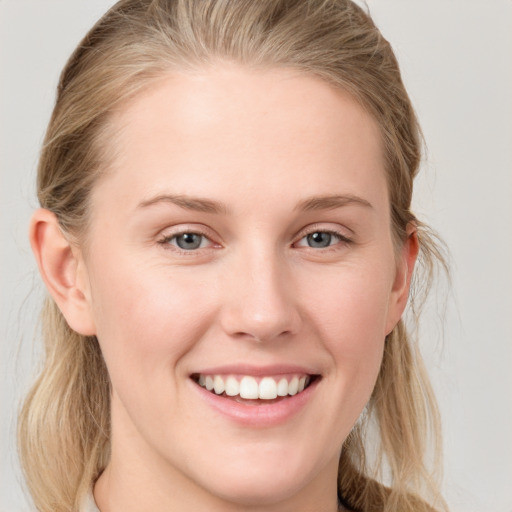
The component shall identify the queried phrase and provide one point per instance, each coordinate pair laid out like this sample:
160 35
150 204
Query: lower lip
258 416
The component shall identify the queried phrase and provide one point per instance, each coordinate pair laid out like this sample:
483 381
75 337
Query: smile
256 397
254 388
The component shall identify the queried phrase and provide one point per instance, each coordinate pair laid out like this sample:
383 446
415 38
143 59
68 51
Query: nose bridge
260 302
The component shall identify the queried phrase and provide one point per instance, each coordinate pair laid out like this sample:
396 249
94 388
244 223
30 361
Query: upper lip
253 370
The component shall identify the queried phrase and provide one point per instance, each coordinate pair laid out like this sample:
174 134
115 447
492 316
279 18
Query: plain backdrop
456 58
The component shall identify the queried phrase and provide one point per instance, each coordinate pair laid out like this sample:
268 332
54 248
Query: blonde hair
64 426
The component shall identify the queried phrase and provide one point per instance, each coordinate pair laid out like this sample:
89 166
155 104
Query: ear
63 271
402 283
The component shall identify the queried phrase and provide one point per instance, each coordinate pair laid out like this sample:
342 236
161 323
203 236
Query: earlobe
402 283
62 270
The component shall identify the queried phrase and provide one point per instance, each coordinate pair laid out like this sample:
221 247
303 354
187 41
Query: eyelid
323 228
342 239
174 231
181 229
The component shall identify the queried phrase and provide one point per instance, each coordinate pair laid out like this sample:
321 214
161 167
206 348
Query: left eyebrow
330 202
186 202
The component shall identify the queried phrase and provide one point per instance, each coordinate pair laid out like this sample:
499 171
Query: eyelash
166 241
342 239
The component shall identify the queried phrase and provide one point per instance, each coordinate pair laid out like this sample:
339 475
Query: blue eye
187 241
320 240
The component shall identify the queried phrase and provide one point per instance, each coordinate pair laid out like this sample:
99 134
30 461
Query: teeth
248 387
218 384
268 389
293 386
282 387
232 386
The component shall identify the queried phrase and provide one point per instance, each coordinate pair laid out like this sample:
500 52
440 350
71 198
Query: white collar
90 504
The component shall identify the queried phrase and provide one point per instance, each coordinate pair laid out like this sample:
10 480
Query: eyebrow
198 204
331 202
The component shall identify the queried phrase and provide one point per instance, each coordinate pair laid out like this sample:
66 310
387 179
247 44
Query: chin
252 490
252 481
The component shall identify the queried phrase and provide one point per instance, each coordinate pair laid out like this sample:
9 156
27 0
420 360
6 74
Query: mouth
255 390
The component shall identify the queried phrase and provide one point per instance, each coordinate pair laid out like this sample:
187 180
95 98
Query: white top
90 504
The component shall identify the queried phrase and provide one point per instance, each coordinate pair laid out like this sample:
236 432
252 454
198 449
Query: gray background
456 56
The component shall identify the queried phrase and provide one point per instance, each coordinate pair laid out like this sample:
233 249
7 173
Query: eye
321 239
187 241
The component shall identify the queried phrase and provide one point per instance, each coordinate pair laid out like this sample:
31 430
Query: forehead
258 131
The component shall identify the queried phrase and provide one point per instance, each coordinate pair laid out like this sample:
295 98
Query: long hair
64 425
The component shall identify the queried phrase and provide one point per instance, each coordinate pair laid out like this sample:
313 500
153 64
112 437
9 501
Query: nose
259 300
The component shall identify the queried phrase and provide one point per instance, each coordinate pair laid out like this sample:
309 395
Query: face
241 241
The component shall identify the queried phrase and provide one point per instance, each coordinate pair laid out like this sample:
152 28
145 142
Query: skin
260 145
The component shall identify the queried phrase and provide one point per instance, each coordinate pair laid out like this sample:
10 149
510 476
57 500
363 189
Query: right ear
63 271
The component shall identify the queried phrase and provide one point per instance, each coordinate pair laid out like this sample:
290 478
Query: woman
227 240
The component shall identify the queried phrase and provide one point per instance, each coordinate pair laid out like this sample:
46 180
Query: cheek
351 304
350 316
145 327
145 322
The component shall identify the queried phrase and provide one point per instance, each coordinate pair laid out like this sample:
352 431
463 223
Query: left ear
404 269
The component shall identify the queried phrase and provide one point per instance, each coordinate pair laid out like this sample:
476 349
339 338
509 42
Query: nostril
262 337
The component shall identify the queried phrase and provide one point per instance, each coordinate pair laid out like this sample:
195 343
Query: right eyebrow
186 202
331 202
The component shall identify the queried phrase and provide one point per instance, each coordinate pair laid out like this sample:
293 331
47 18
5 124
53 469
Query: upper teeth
247 386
